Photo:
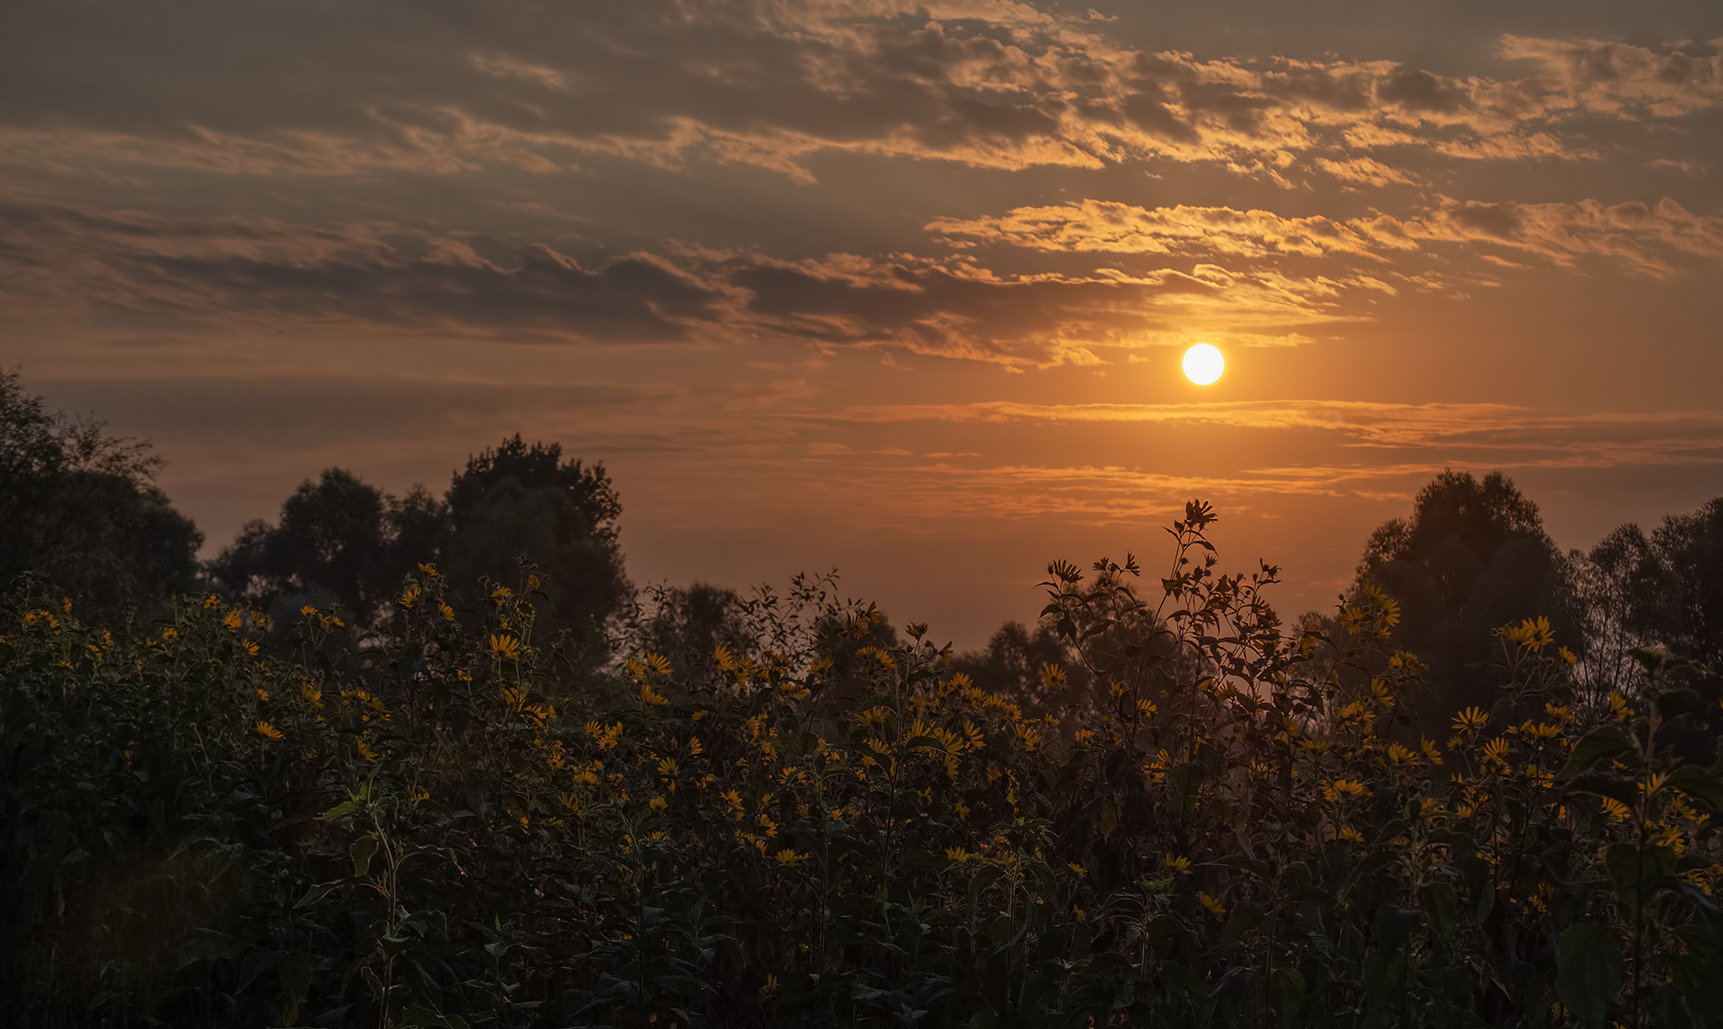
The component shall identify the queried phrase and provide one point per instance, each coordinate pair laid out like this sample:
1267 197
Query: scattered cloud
1649 238
996 85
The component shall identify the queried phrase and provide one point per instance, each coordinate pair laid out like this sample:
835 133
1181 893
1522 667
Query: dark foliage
1473 556
78 507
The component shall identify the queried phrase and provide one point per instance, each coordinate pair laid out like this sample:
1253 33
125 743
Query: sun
1204 363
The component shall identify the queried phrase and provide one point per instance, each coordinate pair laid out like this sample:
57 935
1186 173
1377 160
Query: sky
898 288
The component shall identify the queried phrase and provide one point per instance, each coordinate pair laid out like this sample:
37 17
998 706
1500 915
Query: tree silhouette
339 541
522 501
79 508
1472 557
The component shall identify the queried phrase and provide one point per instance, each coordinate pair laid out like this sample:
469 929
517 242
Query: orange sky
900 288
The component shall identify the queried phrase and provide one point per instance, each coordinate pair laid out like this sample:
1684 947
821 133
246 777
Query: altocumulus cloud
335 89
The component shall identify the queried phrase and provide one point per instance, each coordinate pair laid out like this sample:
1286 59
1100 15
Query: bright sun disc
1204 363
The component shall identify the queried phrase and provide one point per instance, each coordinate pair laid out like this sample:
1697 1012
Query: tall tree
80 508
1665 590
522 501
1472 557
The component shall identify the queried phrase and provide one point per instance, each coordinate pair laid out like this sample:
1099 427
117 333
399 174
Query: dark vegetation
433 761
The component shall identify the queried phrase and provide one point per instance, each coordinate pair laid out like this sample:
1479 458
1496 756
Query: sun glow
1204 363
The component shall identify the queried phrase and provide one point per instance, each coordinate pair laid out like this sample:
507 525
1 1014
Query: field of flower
1202 817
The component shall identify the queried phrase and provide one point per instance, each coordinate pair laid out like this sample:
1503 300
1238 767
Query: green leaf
1244 917
361 851
316 893
1676 703
1442 908
1286 992
1612 786
420 1015
295 974
1589 973
1395 925
1701 783
1604 741
346 807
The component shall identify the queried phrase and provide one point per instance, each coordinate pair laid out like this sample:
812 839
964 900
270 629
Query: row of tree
80 508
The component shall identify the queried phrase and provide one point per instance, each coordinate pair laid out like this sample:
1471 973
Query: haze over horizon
900 288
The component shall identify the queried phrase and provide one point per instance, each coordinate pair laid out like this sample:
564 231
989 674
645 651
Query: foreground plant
1199 817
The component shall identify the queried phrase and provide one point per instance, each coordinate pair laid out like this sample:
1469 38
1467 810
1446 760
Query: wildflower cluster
1197 816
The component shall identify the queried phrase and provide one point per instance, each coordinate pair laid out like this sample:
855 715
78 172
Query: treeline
81 511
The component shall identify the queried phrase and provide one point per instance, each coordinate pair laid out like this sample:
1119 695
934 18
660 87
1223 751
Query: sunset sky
901 288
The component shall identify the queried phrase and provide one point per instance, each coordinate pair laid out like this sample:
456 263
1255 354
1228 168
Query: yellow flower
446 611
1053 677
232 621
1616 810
957 854
308 611
694 747
1351 835
1618 706
1534 634
1343 788
1181 865
505 646
262 694
409 598
267 731
501 593
364 750
1496 752
658 803
213 600
1471 719
1211 903
651 697
790 858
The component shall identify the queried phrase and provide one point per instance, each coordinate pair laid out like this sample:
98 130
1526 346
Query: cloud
1619 79
1510 435
334 90
250 270
66 262
1649 238
1106 226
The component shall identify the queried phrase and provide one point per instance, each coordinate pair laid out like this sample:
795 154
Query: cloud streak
67 262
1648 238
